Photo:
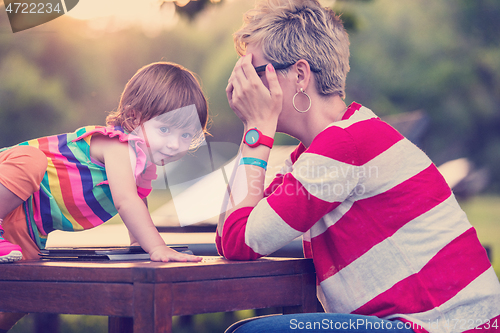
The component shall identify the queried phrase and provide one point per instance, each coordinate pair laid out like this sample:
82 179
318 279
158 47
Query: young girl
80 180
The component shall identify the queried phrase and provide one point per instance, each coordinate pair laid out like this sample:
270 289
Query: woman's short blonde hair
290 30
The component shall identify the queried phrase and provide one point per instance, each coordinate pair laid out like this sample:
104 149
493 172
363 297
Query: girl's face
165 143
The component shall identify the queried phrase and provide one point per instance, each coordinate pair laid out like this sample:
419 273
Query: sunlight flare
111 15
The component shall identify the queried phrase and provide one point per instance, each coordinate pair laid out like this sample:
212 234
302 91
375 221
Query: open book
102 253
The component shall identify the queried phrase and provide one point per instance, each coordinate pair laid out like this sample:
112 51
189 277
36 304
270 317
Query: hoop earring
309 98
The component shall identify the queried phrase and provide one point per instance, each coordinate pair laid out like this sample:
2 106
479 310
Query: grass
484 214
203 323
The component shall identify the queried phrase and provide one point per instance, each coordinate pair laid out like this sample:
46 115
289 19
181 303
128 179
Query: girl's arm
133 241
130 206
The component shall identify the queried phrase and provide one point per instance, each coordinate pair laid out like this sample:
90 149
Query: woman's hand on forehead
250 99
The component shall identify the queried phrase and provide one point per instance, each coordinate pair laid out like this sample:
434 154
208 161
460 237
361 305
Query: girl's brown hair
156 89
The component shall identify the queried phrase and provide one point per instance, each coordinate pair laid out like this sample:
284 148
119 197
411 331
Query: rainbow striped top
74 194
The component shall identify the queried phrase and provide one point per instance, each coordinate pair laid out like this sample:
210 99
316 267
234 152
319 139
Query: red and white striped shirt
386 234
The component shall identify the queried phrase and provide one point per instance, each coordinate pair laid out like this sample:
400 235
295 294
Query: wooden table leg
152 311
120 325
309 299
144 308
46 322
163 308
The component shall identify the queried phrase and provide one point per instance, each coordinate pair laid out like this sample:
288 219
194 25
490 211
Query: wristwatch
253 138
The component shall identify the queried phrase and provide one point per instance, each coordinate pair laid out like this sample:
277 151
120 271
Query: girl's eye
164 129
187 135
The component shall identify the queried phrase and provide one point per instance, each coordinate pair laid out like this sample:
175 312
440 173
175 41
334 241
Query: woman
393 251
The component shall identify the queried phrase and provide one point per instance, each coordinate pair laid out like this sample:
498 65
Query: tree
437 57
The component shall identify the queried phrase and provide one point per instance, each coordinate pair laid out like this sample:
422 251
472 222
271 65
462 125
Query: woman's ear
303 73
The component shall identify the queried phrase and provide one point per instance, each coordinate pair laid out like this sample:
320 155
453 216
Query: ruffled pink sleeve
144 180
144 172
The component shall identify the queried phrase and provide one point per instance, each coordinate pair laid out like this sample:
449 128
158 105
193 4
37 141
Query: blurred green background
441 57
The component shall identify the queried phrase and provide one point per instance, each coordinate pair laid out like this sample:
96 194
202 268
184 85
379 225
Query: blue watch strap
253 161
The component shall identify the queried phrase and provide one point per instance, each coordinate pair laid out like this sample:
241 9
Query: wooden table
143 296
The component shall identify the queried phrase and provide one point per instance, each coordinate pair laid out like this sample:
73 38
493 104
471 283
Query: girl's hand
249 98
166 254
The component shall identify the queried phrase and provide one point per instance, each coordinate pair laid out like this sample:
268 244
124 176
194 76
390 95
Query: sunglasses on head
278 66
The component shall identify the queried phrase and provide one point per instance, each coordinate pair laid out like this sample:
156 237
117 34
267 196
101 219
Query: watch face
252 137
